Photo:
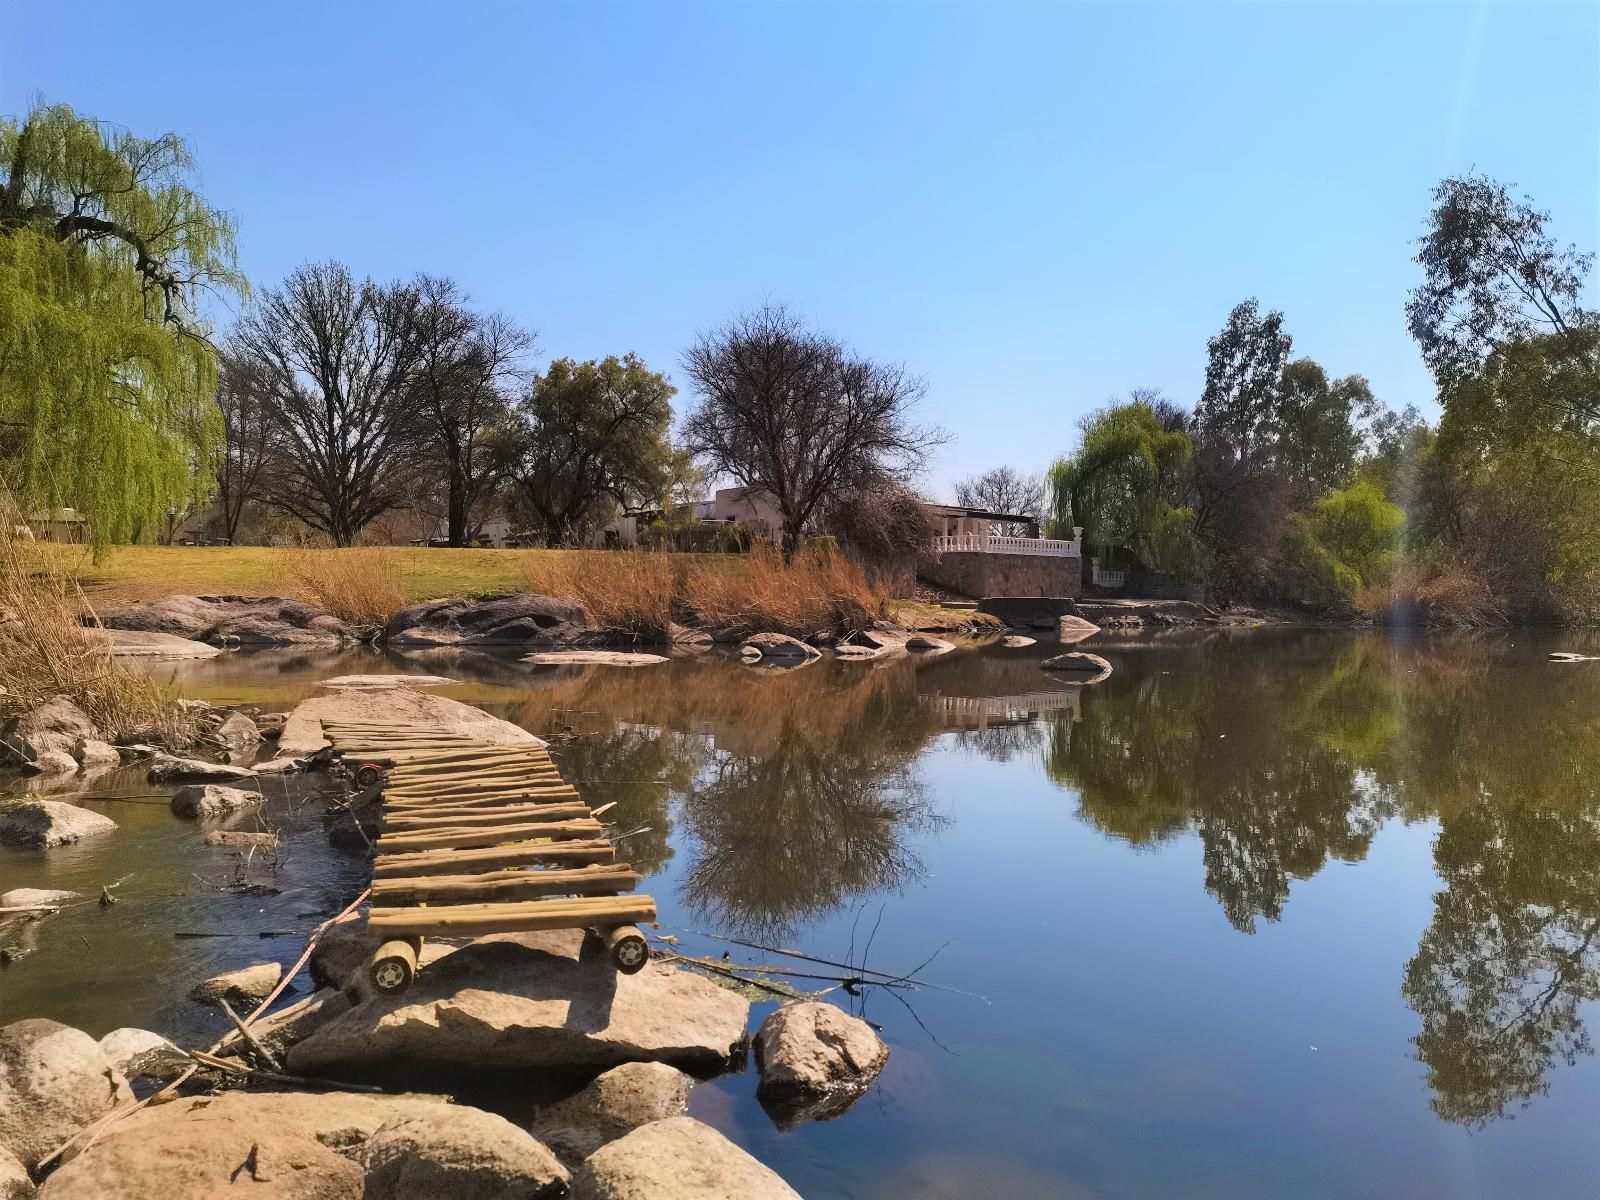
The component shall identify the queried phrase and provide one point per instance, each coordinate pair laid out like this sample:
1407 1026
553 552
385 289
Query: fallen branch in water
251 1040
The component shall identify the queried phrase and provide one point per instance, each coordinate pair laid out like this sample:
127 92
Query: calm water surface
1265 915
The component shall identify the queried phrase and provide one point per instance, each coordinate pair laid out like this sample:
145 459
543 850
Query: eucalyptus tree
794 412
466 363
336 359
107 371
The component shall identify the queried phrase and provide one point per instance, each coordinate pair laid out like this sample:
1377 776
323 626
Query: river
1265 914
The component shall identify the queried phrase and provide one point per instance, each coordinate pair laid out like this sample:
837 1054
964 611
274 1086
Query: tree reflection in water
1279 760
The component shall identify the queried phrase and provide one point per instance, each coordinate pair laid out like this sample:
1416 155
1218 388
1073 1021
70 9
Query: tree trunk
457 519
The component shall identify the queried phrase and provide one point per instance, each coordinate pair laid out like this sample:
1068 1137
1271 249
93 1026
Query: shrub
359 586
1433 590
45 651
819 590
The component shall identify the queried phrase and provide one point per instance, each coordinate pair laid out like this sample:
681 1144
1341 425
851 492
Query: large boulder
237 734
242 987
302 731
46 737
816 1060
136 643
167 768
283 1028
249 620
45 823
15 1183
342 953
515 1001
676 1159
776 645
459 1154
54 1080
519 619
212 800
144 1058
616 1103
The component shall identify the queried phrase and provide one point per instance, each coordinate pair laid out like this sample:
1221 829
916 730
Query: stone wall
979 575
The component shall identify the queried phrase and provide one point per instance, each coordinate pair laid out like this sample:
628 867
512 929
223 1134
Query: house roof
981 514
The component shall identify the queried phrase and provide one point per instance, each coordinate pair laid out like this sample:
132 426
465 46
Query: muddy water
1262 915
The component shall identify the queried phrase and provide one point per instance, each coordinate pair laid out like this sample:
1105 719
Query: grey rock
614 1104
286 1026
777 645
243 986
15 1184
676 1159
1015 641
342 952
45 738
95 755
921 641
237 732
134 643
1078 662
54 1080
212 800
684 635
513 620
278 766
248 620
605 658
459 1154
816 1060
530 1000
237 839
1072 629
142 1055
389 681
851 650
166 768
37 897
45 823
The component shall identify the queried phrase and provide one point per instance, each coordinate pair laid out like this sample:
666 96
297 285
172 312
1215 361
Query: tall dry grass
360 586
45 652
1448 592
820 590
629 591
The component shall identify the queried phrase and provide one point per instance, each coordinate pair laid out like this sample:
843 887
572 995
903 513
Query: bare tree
1004 490
790 410
466 362
336 360
247 436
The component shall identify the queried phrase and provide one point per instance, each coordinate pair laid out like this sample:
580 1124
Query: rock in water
239 839
1091 667
237 733
1074 629
133 643
165 768
54 1080
1016 641
815 1060
45 738
459 1154
777 645
928 645
142 1055
250 620
15 1183
515 620
676 1159
212 800
616 1103
239 987
37 898
603 658
515 1001
45 823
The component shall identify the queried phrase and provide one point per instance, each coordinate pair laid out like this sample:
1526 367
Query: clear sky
1036 206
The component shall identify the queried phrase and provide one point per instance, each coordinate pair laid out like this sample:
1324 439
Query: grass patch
632 591
820 590
359 586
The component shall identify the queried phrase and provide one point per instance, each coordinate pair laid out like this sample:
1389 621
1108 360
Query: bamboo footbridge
482 838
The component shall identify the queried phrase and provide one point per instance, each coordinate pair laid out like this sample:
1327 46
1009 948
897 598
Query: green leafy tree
1347 539
589 438
107 372
1321 427
1122 483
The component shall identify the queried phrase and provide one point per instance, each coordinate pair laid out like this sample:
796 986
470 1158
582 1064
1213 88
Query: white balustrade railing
988 543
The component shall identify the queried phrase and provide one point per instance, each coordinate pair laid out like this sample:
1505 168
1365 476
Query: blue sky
1036 206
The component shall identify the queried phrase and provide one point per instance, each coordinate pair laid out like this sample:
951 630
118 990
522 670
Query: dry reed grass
1433 591
360 586
45 652
627 591
820 590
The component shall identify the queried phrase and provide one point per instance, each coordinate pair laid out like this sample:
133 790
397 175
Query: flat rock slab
776 645
520 1001
166 768
37 898
518 619
140 643
248 620
605 658
45 823
613 1105
460 1154
389 681
239 987
676 1159
212 800
1016 641
302 731
1085 667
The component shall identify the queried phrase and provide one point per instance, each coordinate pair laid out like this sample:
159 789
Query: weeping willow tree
107 371
1122 484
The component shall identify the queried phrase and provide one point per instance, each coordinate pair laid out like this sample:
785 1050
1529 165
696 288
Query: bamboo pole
505 885
513 918
484 817
485 799
468 839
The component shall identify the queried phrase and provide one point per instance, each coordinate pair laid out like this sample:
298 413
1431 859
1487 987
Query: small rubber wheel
368 774
629 953
393 967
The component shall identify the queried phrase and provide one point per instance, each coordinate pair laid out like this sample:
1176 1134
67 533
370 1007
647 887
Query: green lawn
126 574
